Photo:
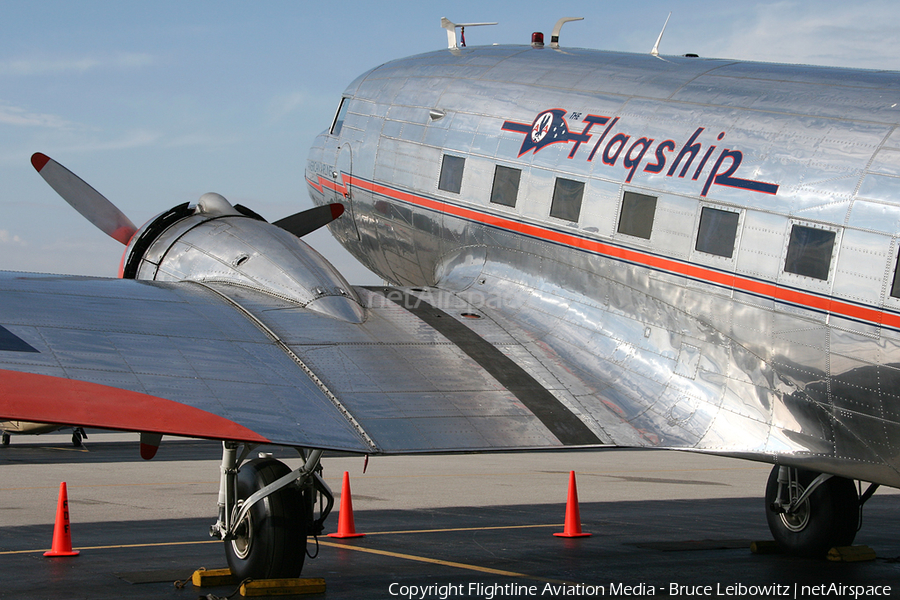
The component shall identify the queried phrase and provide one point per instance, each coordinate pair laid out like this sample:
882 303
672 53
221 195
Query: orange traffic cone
346 529
573 516
62 536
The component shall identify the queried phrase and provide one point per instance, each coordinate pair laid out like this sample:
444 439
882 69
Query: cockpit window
339 117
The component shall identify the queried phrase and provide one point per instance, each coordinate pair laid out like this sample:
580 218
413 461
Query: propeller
110 220
309 220
85 199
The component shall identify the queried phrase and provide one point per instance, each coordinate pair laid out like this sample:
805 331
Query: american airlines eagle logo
618 148
549 127
542 126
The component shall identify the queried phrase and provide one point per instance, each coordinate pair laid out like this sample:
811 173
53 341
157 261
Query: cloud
137 138
17 155
832 33
286 104
200 139
13 115
7 238
145 138
48 66
134 139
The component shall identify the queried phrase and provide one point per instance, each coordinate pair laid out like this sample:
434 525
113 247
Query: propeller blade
85 199
308 221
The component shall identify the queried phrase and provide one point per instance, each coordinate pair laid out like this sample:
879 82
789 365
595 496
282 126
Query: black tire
271 542
76 438
5 439
828 518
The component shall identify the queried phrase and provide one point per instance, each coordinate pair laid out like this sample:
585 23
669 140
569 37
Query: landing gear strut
77 435
266 512
810 513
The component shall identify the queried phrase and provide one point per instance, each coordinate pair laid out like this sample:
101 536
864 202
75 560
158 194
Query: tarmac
664 524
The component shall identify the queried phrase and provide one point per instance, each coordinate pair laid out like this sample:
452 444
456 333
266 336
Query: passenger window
506 186
451 173
339 117
567 195
637 215
895 288
809 252
718 230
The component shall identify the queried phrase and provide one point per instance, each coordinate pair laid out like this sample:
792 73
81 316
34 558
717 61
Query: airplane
581 249
9 428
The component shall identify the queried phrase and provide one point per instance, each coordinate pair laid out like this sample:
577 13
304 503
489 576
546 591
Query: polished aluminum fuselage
660 344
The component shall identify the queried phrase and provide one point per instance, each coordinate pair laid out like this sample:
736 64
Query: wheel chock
260 587
851 554
765 547
212 577
283 587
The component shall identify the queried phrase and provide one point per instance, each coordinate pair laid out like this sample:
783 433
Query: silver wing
226 362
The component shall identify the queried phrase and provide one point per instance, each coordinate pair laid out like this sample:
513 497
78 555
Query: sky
156 103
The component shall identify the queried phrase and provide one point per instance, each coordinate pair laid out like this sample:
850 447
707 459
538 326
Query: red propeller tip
336 210
39 160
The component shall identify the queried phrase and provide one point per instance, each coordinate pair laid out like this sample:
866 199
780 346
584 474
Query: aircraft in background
9 428
585 249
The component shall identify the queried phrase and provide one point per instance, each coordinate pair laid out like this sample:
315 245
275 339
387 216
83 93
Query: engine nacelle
213 241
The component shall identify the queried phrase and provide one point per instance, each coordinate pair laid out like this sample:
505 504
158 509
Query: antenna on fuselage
655 51
450 26
554 37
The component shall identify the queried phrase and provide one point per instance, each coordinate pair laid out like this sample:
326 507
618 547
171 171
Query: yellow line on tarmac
448 530
107 485
412 557
63 448
444 563
118 546
464 529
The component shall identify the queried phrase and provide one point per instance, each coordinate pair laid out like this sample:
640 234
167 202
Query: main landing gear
77 435
266 512
810 513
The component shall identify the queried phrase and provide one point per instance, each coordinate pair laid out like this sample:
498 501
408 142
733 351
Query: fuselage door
342 176
343 182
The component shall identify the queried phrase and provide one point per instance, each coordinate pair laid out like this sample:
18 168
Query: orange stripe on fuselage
729 280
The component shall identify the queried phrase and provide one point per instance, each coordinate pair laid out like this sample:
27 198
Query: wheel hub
798 519
243 537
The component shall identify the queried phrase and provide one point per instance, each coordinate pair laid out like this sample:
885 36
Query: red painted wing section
46 399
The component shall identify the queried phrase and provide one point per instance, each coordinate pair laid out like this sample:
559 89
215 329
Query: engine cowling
212 241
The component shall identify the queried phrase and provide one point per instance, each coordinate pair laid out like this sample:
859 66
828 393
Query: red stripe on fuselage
724 279
48 399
